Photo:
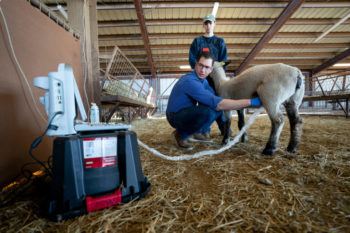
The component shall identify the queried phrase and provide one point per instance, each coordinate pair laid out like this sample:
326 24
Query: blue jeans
196 119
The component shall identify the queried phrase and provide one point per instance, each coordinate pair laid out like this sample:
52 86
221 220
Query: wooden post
82 17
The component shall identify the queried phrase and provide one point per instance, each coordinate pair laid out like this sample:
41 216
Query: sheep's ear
222 63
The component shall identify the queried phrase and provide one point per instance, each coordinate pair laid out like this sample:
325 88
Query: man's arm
222 51
193 54
230 104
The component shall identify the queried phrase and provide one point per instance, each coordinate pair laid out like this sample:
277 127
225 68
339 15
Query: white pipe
334 26
215 8
197 155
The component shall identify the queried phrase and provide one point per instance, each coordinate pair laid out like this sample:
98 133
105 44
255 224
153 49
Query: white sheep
276 85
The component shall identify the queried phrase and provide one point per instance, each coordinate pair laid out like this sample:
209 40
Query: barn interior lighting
215 9
342 65
334 26
185 67
62 11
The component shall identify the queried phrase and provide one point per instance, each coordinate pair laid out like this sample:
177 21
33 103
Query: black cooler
94 170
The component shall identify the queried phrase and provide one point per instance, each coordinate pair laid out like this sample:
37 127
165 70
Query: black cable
9 196
38 140
50 161
27 173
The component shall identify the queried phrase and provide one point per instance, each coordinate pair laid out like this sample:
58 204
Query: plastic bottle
94 114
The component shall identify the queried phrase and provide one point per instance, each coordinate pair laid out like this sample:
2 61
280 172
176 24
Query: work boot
181 143
203 137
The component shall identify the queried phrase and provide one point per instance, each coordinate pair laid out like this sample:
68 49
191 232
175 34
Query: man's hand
255 102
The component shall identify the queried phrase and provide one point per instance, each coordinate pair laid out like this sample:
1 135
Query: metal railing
122 78
54 17
328 94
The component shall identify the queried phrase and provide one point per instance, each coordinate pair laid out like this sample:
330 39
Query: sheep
225 127
276 85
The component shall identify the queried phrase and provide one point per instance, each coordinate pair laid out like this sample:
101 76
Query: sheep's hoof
244 138
291 149
224 141
268 151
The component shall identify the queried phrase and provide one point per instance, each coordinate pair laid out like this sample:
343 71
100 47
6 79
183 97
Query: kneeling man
193 106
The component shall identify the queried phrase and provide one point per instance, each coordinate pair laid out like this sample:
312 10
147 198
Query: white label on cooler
92 147
109 146
100 152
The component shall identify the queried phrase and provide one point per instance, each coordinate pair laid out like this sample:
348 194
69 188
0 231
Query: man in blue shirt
214 45
192 107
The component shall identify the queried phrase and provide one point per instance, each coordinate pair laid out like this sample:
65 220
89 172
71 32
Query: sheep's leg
295 122
277 122
226 130
226 127
241 123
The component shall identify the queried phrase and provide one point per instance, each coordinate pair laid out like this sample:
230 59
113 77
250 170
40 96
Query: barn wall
40 45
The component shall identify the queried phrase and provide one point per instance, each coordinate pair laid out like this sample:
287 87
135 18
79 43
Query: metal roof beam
331 62
292 6
144 33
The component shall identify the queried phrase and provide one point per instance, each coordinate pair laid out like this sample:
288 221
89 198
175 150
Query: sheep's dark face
212 84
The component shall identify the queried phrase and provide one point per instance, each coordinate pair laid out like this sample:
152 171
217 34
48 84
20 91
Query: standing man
217 47
192 107
208 43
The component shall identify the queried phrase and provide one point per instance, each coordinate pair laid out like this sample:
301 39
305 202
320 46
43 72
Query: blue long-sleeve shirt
215 45
190 90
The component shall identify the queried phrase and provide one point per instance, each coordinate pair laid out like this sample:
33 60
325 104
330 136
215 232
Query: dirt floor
236 191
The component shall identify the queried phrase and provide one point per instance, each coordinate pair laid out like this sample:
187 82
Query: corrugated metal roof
294 49
169 51
174 29
308 40
104 15
241 28
175 13
304 28
170 41
119 30
320 13
249 13
342 28
120 43
242 40
172 25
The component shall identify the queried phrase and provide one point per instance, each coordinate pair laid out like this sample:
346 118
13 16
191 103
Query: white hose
206 152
